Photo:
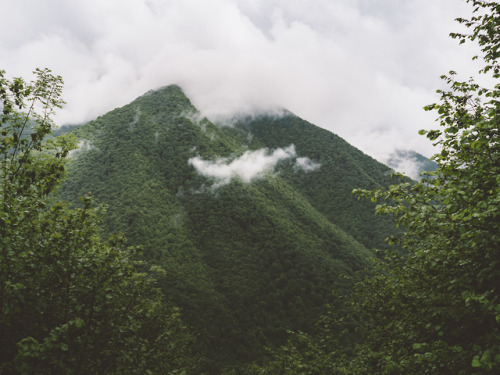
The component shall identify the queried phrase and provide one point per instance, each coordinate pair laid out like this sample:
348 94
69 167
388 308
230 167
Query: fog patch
83 145
306 164
249 115
249 137
178 219
409 167
410 163
195 117
251 166
137 115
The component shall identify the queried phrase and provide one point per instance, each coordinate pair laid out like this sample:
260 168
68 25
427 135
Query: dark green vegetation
244 261
329 188
435 310
70 303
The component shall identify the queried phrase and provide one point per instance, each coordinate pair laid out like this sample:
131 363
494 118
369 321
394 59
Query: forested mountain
247 231
254 224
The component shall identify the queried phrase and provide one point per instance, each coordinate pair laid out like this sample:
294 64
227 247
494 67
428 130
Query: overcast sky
360 68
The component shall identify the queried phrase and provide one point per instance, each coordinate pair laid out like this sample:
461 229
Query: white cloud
84 145
362 69
411 167
250 166
306 165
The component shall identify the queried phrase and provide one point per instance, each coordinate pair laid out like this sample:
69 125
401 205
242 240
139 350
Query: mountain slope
245 260
343 168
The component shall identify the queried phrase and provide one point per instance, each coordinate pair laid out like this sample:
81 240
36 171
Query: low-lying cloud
83 145
250 166
362 69
409 163
306 164
411 167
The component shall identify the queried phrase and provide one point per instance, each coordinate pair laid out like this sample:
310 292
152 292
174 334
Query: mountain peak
173 88
171 98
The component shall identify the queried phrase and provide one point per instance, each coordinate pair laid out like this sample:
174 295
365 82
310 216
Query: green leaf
79 322
475 362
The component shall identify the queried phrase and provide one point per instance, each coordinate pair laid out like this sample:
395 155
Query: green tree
435 309
438 309
70 303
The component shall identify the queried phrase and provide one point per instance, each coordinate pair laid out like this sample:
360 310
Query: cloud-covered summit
250 166
362 69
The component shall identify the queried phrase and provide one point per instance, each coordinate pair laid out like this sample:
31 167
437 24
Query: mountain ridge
244 261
